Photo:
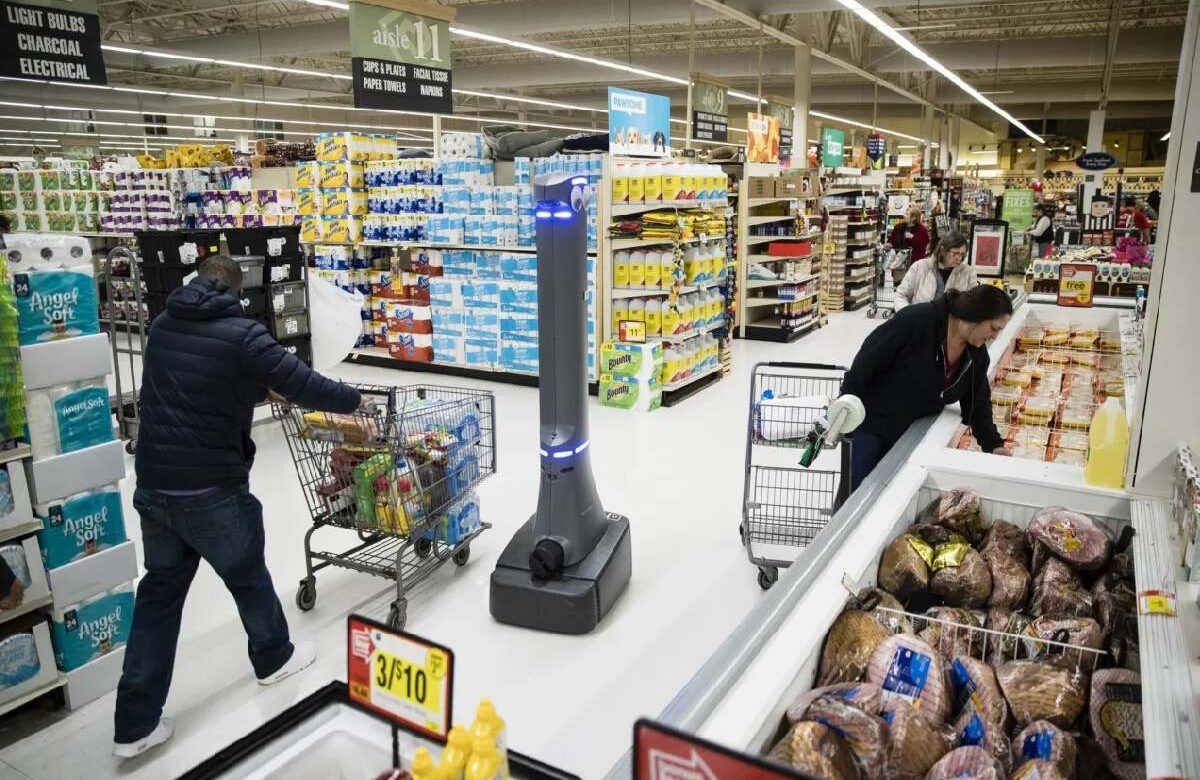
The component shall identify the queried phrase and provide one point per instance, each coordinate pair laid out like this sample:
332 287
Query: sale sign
1076 284
662 753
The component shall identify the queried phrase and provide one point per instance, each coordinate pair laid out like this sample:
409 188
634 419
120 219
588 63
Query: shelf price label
1076 285
1156 602
632 332
403 677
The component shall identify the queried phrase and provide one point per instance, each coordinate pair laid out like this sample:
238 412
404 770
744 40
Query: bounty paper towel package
18 660
85 631
635 361
643 395
80 525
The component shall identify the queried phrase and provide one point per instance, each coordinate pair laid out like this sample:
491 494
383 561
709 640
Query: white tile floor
571 701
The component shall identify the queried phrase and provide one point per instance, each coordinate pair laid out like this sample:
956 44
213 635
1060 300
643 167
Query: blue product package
81 525
907 674
481 352
519 326
963 686
1038 746
18 660
7 504
55 304
973 733
83 418
92 628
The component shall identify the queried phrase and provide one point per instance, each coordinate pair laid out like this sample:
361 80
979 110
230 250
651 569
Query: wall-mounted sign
989 245
639 123
1095 161
833 146
786 115
400 55
710 109
762 138
1018 209
52 40
1076 284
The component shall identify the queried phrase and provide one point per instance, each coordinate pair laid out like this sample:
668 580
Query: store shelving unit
850 247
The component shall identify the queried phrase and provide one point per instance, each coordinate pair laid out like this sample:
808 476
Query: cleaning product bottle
457 753
485 762
654 183
423 767
671 318
668 269
620 184
621 269
687 185
490 727
637 310
653 269
654 317
668 365
637 269
620 311
637 184
1108 438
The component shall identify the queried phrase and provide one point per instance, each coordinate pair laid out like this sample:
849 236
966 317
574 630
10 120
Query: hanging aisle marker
400 56
786 115
710 108
51 39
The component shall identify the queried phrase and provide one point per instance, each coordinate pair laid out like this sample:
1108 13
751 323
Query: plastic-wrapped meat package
1010 580
782 752
1081 632
1039 770
871 598
909 670
864 695
865 734
904 567
914 744
1006 648
1043 741
1006 538
959 510
849 645
818 751
960 576
937 535
1075 538
1116 716
1113 598
956 639
973 685
967 763
972 728
1052 689
1058 592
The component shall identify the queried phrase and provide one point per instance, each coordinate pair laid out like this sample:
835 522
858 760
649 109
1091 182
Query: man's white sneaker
162 732
303 654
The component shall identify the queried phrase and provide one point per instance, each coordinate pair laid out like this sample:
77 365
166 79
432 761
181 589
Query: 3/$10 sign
400 55
58 40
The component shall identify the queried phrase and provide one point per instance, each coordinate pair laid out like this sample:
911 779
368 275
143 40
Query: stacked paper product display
331 194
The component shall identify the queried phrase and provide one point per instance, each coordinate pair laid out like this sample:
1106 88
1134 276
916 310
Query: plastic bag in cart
340 316
781 418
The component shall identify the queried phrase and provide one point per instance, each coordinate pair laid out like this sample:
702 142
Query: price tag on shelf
1076 284
275 246
403 677
189 253
632 331
1156 602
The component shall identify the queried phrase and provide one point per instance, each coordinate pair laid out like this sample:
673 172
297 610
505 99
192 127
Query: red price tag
1076 284
662 753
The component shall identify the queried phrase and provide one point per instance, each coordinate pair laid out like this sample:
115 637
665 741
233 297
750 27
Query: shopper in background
1042 232
1154 200
205 367
1144 206
910 233
937 211
930 278
1132 218
926 357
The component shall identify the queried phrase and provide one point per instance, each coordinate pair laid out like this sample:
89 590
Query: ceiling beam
1110 52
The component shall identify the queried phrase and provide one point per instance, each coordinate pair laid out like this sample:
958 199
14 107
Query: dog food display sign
639 124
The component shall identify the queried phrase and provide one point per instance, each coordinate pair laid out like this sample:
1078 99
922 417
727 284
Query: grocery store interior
744 388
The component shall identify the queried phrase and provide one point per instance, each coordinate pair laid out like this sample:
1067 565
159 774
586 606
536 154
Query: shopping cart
787 502
883 290
401 474
125 316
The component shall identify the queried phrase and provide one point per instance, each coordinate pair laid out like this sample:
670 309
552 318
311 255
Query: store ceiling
1040 59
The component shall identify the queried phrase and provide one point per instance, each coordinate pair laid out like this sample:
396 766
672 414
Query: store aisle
571 701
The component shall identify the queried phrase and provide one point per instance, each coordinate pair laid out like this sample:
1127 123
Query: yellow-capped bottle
485 762
488 722
457 753
1108 439
423 767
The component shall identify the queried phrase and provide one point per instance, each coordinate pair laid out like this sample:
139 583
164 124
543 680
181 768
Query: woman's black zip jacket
900 371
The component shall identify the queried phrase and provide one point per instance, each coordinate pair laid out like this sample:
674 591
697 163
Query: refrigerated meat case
739 696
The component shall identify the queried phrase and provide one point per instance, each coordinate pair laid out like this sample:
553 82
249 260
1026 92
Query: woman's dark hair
979 304
952 240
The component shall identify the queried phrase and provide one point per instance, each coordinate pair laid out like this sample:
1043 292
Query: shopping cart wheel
423 547
888 313
398 614
767 576
742 533
306 594
131 447
462 556
872 311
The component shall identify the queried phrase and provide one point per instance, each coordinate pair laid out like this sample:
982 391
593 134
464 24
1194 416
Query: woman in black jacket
926 357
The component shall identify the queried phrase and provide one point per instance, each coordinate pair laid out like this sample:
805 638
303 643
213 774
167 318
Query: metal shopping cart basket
786 504
883 291
402 475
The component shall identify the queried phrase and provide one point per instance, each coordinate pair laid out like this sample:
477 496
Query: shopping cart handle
816 366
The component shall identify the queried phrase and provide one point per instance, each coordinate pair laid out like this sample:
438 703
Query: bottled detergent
699 310
691 265
458 751
423 767
485 762
654 183
620 311
637 269
672 186
637 310
654 317
668 264
637 183
489 742
670 318
620 183
687 182
716 306
621 269
1108 438
653 269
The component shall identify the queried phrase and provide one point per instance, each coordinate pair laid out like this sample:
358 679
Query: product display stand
850 248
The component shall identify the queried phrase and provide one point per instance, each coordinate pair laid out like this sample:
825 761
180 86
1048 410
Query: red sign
1076 284
406 679
662 753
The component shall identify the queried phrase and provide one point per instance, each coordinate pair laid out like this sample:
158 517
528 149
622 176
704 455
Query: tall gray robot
567 566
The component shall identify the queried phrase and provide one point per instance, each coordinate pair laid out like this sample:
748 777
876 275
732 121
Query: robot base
573 603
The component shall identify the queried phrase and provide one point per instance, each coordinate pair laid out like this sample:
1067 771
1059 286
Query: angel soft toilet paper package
69 417
85 631
18 660
54 284
80 525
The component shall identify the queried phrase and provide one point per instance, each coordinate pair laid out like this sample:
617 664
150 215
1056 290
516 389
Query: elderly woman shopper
930 278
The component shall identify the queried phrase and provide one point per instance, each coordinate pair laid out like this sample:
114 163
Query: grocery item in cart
341 428
1049 688
1075 538
818 751
1006 538
1116 718
864 695
959 510
960 576
1010 581
849 646
1043 741
909 670
1080 632
967 763
904 567
914 744
787 417
1059 593
865 733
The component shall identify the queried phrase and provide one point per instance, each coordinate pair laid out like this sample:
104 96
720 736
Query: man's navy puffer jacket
206 366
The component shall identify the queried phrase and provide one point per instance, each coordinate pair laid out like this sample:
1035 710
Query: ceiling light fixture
871 18
1166 137
884 130
157 138
329 4
169 55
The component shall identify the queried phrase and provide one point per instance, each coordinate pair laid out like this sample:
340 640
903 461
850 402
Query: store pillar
1092 180
801 98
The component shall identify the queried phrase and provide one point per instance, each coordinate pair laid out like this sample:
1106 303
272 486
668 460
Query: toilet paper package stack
69 417
18 659
94 627
54 286
80 525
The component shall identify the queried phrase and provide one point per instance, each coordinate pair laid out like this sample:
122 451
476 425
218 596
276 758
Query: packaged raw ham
864 695
953 637
818 751
1006 538
1010 580
1048 688
1075 538
1058 592
1044 742
974 729
1116 717
782 752
904 567
849 645
973 685
1081 632
959 510
967 763
960 576
937 535
909 670
1039 770
1004 646
1113 600
870 599
864 734
914 744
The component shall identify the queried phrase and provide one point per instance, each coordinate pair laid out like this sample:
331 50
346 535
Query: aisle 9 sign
407 679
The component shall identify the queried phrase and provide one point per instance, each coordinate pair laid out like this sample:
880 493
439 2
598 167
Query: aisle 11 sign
406 679
400 55
52 40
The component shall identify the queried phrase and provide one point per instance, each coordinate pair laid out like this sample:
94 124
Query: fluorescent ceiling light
530 101
871 18
996 92
938 26
884 130
1166 137
168 55
329 4
159 138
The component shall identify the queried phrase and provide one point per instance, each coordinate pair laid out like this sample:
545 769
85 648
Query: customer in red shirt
911 233
1133 218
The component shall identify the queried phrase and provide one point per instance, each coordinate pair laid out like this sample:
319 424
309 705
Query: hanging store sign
1018 209
1076 284
662 753
1095 161
762 138
833 147
400 56
710 109
639 123
876 151
53 40
787 122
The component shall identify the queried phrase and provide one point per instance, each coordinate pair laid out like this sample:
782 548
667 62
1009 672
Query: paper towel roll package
80 525
85 631
69 417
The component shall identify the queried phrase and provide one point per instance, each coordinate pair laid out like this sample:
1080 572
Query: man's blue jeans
225 528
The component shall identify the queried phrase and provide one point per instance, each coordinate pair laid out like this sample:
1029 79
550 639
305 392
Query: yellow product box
341 230
343 202
308 174
331 147
312 229
308 201
383 147
342 174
